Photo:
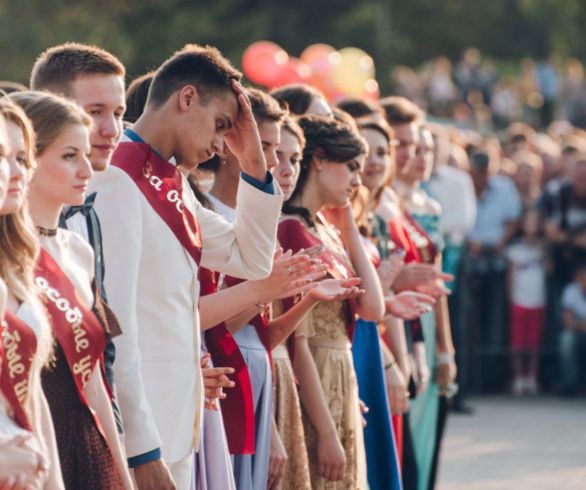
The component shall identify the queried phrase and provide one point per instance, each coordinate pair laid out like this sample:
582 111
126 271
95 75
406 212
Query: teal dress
424 409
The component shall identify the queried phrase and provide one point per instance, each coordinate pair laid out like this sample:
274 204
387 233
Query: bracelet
445 357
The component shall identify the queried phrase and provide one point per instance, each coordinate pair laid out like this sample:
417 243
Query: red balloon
294 71
263 61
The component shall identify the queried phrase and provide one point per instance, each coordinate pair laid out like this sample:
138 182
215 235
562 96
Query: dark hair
519 132
58 66
480 160
199 195
360 107
325 138
7 87
344 117
136 96
298 96
203 67
212 164
399 110
385 130
264 107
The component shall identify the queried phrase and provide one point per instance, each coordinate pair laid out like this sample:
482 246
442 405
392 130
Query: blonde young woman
26 332
89 449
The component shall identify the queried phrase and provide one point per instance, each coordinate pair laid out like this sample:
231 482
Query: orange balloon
316 51
263 61
371 89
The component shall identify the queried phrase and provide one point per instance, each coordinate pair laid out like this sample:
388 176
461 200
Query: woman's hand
414 275
331 457
408 305
396 389
339 217
21 467
435 288
389 269
336 289
421 368
291 275
277 459
215 379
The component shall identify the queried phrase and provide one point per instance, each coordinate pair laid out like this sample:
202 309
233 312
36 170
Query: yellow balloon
355 68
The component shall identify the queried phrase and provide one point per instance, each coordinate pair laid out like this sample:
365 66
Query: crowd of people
208 286
479 94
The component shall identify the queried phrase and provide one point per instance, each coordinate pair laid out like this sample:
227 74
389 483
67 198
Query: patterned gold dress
331 349
287 413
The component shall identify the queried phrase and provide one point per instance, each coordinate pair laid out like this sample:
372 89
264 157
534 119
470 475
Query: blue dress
381 453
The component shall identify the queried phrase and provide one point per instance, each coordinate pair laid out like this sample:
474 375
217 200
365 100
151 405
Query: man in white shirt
195 105
94 78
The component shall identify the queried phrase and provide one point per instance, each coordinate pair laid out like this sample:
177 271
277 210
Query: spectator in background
572 92
548 82
528 177
441 91
483 292
526 293
453 189
572 346
564 209
549 151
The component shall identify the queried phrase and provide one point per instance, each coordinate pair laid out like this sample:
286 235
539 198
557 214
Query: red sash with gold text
74 324
162 186
294 236
20 346
238 406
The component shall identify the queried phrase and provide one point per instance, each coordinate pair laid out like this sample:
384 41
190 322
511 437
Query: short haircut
298 96
203 67
50 115
136 96
399 110
264 107
59 66
360 107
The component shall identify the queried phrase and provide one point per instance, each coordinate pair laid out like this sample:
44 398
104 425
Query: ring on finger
290 269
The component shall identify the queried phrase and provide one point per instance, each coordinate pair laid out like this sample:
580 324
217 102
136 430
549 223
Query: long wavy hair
19 246
19 250
324 138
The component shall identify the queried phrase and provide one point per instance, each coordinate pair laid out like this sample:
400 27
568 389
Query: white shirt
528 275
454 190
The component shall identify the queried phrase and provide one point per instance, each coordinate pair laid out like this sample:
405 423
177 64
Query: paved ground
508 443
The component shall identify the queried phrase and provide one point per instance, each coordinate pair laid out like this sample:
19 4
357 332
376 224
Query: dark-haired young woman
318 212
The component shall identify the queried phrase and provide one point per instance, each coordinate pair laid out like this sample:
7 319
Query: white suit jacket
153 288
